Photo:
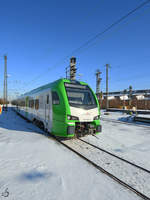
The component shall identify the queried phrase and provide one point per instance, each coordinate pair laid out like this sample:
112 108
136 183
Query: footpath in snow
35 167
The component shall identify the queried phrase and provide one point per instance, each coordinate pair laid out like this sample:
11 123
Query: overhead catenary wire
111 26
92 39
94 43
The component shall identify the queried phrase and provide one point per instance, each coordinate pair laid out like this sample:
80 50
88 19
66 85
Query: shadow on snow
12 121
34 176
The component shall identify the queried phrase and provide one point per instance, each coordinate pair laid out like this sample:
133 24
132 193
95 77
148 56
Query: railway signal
98 81
73 68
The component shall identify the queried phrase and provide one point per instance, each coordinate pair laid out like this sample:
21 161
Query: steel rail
137 166
143 196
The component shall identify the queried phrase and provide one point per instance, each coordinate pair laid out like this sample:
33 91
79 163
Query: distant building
127 98
145 93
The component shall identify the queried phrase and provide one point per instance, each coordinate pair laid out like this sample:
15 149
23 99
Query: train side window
22 103
37 104
31 103
55 98
47 99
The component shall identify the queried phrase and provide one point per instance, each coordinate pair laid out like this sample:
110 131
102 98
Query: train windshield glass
80 96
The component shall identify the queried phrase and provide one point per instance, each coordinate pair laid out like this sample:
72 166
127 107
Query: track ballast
81 153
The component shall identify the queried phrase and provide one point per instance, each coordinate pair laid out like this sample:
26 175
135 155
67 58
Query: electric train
64 108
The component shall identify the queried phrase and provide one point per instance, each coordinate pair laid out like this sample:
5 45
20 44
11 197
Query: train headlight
70 117
97 117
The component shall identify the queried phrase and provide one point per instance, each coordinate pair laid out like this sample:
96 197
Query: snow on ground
120 116
129 174
113 115
142 115
128 141
35 167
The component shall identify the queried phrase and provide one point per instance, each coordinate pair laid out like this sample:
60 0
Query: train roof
53 84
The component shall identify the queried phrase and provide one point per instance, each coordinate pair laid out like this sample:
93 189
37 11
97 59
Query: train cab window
47 99
55 98
37 104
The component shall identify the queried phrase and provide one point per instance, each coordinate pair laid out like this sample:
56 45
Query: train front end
83 111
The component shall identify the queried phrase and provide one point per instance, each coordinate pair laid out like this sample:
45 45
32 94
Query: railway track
121 122
122 159
133 179
103 169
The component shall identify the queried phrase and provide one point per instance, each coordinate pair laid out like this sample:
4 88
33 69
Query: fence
117 103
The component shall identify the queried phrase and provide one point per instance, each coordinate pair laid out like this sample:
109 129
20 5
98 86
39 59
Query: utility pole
130 95
73 68
67 70
107 103
98 81
124 93
5 84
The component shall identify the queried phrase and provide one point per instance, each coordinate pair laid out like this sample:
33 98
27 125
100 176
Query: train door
48 112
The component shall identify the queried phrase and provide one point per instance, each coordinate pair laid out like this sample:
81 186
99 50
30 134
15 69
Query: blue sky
38 35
